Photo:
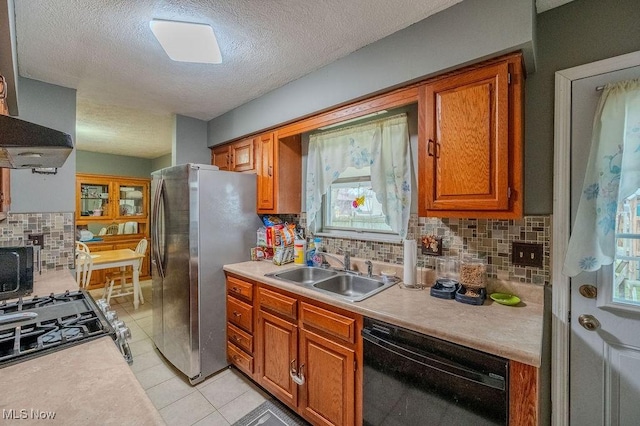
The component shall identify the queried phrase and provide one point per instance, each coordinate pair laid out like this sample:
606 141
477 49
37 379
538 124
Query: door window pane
626 270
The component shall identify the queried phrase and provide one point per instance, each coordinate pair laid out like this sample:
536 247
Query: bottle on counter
311 251
316 259
300 251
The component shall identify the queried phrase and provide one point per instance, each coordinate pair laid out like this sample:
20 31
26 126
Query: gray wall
109 164
577 33
467 32
54 107
190 142
161 162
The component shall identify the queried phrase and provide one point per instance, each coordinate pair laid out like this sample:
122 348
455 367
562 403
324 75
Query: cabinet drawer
240 359
278 303
240 338
240 314
334 324
240 288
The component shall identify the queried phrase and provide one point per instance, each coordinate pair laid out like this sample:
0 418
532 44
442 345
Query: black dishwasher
413 379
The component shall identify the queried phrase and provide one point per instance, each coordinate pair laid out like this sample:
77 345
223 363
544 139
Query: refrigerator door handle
157 199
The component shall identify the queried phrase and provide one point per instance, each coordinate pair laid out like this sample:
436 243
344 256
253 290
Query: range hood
25 145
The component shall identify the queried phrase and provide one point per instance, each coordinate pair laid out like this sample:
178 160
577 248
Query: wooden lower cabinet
309 355
328 393
278 348
305 353
240 324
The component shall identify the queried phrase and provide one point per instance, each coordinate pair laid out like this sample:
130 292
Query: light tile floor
220 400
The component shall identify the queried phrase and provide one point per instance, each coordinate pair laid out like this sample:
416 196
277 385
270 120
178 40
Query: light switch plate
526 254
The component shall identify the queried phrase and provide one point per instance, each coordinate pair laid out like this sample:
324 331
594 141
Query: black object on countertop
443 291
462 296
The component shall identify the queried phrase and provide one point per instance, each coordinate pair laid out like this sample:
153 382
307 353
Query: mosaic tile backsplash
488 239
58 230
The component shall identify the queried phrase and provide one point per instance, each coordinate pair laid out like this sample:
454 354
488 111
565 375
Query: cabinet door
241 155
266 180
5 195
5 185
220 157
328 394
132 199
95 200
277 353
464 141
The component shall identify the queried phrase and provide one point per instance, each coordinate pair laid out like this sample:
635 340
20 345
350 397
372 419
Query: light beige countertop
513 332
89 383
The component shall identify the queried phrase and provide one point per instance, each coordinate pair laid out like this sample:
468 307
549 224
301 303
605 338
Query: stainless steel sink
352 287
347 286
304 275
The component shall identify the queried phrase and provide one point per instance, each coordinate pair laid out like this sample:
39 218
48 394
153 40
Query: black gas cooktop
40 325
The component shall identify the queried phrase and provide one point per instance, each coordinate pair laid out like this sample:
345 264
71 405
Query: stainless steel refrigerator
201 219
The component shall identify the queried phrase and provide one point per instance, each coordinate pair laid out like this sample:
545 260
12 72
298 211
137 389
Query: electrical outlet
526 254
38 239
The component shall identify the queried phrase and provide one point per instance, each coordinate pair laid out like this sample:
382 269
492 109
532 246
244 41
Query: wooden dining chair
80 246
84 266
125 277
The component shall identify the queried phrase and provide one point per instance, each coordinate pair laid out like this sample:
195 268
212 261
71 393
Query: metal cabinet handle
430 148
236 338
437 144
298 378
236 289
589 322
237 314
270 171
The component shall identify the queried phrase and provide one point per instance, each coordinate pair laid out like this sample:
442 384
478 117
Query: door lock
589 322
589 291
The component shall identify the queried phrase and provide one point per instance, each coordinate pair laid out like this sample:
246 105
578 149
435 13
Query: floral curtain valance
613 174
384 146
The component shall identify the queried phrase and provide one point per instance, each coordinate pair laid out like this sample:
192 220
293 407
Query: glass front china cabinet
115 211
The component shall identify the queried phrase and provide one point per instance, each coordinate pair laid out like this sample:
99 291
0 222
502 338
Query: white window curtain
613 173
384 146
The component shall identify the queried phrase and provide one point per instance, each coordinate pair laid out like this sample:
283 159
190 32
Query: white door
605 328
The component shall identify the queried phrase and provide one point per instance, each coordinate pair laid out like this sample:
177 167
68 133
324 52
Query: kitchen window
359 179
351 204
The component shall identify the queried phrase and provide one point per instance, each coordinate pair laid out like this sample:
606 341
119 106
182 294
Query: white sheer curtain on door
384 146
613 174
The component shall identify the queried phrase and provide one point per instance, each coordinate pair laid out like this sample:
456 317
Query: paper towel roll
410 261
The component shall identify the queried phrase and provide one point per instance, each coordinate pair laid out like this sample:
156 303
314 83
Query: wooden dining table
121 258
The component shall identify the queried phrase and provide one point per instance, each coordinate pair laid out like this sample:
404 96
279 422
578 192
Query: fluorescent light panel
187 42
352 120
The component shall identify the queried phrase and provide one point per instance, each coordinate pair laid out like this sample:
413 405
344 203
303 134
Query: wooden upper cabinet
470 142
266 180
220 157
241 154
5 183
236 157
279 174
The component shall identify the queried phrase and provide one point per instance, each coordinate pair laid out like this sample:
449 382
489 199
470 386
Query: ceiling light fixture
352 120
187 42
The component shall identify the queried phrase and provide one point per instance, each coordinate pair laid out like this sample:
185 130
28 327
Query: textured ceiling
128 88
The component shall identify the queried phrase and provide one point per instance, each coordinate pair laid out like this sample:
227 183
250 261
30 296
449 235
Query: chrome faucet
369 268
345 263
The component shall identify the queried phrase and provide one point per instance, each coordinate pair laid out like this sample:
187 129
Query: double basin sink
343 285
